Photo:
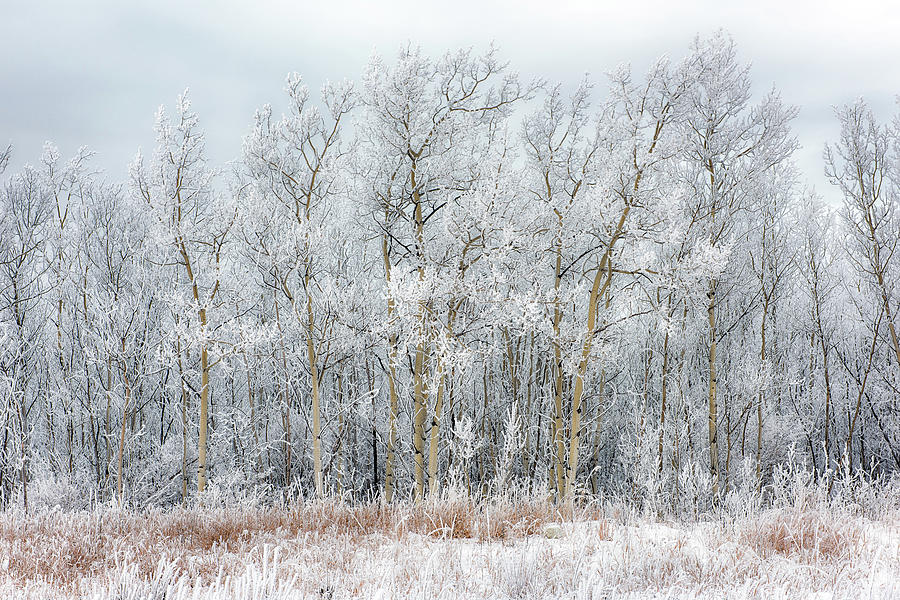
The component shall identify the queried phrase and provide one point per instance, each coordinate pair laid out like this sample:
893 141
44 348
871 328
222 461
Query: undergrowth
796 538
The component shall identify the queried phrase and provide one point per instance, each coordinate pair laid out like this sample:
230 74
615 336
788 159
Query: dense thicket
446 275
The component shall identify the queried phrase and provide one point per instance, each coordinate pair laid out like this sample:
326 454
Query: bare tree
195 222
293 165
732 148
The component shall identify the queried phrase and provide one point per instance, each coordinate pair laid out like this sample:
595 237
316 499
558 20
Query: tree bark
713 408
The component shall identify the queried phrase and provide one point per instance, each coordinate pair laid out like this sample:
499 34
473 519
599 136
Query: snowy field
448 549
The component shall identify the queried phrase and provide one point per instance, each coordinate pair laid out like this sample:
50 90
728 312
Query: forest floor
448 549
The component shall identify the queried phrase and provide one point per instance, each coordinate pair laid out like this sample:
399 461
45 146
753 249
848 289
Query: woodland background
447 276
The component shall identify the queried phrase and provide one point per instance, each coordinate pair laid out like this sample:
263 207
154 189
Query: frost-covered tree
865 167
618 289
192 225
427 125
293 165
731 149
26 211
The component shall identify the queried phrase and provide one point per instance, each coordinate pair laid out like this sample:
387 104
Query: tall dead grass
65 548
451 548
811 536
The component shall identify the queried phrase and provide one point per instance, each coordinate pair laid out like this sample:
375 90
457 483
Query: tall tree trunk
713 380
663 393
419 401
371 384
420 390
184 423
827 375
204 407
527 454
759 403
121 458
433 482
314 377
392 379
601 286
559 442
204 357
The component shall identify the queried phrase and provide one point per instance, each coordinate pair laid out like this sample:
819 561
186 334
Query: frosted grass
405 552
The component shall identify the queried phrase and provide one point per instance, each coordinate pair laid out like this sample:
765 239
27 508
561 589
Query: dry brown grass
66 547
809 535
449 548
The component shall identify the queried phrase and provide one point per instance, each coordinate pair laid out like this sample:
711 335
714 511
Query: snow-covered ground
331 550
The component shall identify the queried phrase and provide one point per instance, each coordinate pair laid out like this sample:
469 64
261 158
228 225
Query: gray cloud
94 72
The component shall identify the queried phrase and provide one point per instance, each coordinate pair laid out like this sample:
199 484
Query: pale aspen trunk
600 287
392 436
648 363
681 402
759 404
726 472
433 483
543 382
184 425
599 413
526 460
121 458
267 416
558 432
495 460
713 407
18 396
3 450
339 478
663 393
810 382
595 483
23 428
420 391
676 440
419 421
87 378
288 437
371 388
93 433
51 434
314 376
311 350
451 414
482 430
61 260
392 380
70 442
559 443
744 422
513 359
107 422
827 376
204 409
204 355
645 402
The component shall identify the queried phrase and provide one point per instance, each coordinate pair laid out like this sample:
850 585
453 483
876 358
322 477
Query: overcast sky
94 72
